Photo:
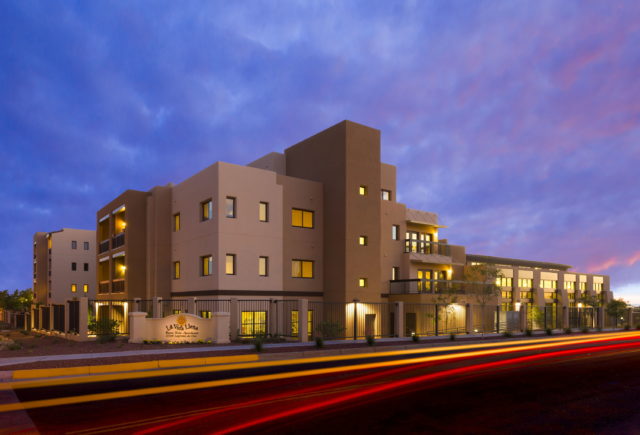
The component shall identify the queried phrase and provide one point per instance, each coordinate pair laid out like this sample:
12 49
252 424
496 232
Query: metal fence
542 318
46 318
74 316
58 318
582 318
254 318
174 306
117 310
145 306
206 307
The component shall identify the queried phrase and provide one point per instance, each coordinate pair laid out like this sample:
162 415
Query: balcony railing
407 286
103 246
118 286
103 287
426 247
118 240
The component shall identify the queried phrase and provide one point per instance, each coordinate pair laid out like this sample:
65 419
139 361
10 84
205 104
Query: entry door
424 285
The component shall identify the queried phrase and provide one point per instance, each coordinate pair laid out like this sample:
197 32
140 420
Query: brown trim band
246 293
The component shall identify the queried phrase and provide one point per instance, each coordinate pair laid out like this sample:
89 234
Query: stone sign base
179 328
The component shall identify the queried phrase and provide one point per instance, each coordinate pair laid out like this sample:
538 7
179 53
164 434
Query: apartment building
63 265
319 221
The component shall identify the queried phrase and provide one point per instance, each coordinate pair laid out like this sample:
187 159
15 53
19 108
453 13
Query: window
362 282
294 323
176 222
545 283
583 286
395 232
206 265
504 282
205 314
386 195
230 207
525 282
230 264
176 270
597 286
526 295
206 210
363 190
506 295
86 246
569 285
119 267
301 218
73 266
263 212
395 273
85 288
74 288
253 323
74 245
86 267
263 266
301 269
362 240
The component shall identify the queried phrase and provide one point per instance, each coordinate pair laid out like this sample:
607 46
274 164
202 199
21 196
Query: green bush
585 330
319 342
330 330
549 331
507 334
415 338
258 342
627 327
528 332
370 340
105 329
452 336
14 346
567 330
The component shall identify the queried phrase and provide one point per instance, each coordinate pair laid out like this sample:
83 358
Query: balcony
423 251
103 246
118 286
430 286
118 240
103 287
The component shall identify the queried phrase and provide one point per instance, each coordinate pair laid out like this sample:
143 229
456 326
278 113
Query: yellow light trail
288 375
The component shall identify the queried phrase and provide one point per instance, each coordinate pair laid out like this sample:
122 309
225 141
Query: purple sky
517 122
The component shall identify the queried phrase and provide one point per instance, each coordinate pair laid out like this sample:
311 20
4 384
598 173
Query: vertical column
274 317
399 319
136 305
234 318
600 314
191 306
67 314
630 317
157 307
50 308
468 318
523 317
303 310
565 317
83 321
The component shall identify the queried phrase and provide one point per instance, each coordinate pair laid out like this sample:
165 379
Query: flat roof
516 262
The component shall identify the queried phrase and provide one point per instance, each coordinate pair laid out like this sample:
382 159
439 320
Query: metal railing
174 306
407 286
117 310
103 246
118 240
58 318
426 247
74 316
212 306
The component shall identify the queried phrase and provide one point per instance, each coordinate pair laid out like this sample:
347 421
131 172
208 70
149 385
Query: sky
517 122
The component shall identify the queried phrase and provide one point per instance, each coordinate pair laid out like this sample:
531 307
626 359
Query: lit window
294 323
301 269
230 207
176 222
583 286
206 210
263 212
206 265
386 195
301 218
525 282
73 266
253 323
395 232
176 270
263 266
230 264
119 267
86 246
74 245
120 221
363 190
85 288
74 288
205 314
86 267
504 282
395 273
362 282
362 240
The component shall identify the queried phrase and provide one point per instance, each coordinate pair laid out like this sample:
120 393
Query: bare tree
480 282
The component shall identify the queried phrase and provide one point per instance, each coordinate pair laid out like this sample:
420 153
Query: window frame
266 211
301 266
74 266
363 190
176 270
303 213
233 264
74 288
363 241
176 222
85 246
388 192
230 200
206 210
266 265
74 244
395 232
209 265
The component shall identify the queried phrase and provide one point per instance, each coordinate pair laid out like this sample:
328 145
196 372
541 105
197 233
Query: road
573 384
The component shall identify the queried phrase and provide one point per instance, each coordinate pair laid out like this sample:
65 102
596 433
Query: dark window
74 244
86 246
86 267
230 207
73 266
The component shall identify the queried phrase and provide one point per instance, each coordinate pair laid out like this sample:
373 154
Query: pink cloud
614 261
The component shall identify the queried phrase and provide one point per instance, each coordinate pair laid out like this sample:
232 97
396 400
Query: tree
616 308
480 282
590 300
19 300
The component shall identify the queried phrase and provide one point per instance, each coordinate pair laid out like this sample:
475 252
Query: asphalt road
526 387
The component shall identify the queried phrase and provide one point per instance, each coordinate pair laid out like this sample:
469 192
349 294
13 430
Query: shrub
528 332
415 338
627 327
370 340
452 336
549 331
24 332
258 342
567 330
14 346
638 326
507 334
105 329
319 342
330 330
585 330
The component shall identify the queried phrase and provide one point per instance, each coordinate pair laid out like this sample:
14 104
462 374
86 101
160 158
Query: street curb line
128 367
